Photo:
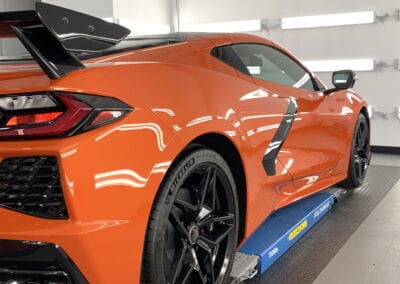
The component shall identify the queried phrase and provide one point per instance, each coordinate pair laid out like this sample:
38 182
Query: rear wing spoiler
52 35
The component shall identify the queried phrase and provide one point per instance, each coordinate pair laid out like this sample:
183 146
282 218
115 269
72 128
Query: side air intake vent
32 185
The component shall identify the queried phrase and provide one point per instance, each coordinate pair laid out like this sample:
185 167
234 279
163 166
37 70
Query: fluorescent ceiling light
333 65
226 27
141 28
328 20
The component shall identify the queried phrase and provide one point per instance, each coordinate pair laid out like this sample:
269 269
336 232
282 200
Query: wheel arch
226 148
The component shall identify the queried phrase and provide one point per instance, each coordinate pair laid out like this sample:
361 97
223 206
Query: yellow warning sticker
298 230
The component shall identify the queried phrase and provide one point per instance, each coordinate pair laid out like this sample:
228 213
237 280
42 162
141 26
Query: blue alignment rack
284 227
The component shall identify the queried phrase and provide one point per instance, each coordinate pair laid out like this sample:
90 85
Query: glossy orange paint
179 92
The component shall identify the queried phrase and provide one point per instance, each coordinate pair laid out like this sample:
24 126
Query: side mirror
342 80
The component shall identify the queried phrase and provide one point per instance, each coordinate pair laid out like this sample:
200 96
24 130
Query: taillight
33 118
56 114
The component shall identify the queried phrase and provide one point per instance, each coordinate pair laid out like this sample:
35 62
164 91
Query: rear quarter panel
193 101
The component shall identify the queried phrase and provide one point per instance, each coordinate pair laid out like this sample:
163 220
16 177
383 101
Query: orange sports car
152 159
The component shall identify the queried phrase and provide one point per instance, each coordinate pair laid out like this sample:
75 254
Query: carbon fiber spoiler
53 34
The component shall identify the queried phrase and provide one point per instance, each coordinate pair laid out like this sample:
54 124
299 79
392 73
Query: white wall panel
201 11
154 11
380 41
12 5
99 8
149 11
289 8
13 46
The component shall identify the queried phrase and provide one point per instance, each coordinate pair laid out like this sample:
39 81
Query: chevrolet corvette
152 159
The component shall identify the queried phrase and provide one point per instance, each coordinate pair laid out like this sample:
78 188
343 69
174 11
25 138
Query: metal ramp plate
284 227
244 266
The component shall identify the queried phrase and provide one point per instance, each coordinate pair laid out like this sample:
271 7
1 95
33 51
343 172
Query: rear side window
227 55
269 64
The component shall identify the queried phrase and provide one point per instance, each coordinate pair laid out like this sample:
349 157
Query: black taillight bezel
98 104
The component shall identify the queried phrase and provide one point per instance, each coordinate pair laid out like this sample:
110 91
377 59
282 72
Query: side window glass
227 55
269 64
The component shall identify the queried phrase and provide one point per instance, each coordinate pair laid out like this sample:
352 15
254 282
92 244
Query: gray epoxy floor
372 253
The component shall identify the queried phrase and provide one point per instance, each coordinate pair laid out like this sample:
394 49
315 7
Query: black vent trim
37 262
31 185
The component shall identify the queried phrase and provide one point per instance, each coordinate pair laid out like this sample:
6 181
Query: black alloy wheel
360 154
192 233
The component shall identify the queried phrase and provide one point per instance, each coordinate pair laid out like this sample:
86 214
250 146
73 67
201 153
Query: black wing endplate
52 34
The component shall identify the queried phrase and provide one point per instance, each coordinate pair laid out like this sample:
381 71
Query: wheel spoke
358 168
223 232
216 219
178 223
363 138
228 229
197 266
209 265
207 183
363 166
177 265
185 205
205 246
187 271
185 199
215 253
358 138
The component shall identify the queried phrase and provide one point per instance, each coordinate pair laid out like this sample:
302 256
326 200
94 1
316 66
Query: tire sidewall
353 178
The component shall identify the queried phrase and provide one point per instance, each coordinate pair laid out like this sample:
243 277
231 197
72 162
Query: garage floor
357 242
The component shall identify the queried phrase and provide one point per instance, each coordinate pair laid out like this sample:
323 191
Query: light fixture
333 65
328 20
227 27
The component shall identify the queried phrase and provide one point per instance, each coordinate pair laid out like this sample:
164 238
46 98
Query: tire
192 232
359 154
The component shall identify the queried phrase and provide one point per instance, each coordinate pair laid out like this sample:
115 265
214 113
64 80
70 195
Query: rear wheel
359 154
193 227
